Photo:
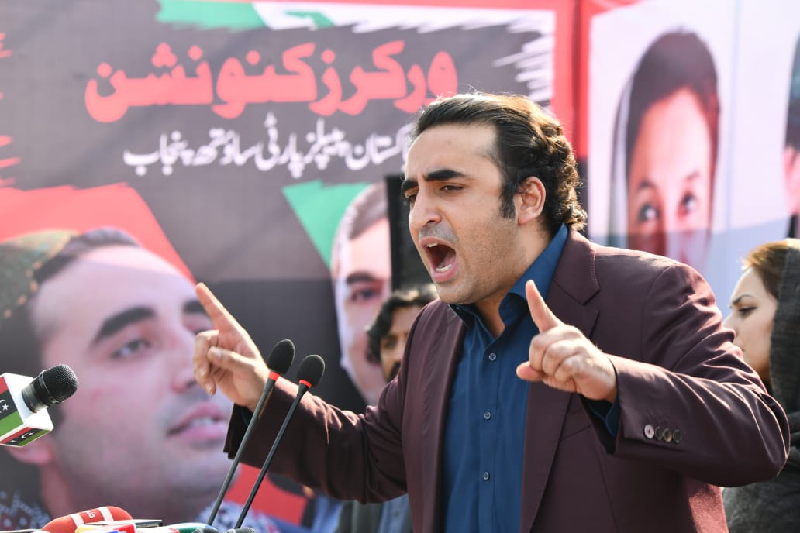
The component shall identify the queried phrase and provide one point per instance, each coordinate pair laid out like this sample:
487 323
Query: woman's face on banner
125 320
670 181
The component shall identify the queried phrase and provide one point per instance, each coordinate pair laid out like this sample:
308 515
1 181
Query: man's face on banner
670 181
139 427
362 282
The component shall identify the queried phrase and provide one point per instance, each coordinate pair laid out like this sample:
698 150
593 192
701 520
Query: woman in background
766 319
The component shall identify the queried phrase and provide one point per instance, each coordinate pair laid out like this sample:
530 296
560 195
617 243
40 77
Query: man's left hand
561 357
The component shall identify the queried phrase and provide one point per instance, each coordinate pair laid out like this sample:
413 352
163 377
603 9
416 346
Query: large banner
147 145
228 139
692 129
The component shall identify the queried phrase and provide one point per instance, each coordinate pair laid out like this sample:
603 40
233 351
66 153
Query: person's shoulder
640 271
619 261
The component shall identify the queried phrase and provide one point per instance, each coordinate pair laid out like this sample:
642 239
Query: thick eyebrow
121 320
359 277
648 184
739 298
691 176
132 315
644 185
437 175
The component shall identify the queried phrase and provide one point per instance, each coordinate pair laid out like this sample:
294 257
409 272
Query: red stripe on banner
3 385
82 209
589 9
5 140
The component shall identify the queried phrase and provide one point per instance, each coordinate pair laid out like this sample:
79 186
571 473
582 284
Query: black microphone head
311 369
56 384
281 357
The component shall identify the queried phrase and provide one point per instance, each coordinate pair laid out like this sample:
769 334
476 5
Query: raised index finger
542 316
216 311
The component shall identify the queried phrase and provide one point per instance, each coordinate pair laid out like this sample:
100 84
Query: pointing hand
561 357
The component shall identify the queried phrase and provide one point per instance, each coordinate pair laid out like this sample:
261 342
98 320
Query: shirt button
487 415
486 476
492 356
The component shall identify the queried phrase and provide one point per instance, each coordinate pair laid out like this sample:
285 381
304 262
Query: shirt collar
541 271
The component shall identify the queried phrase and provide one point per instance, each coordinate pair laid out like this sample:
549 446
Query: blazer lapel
573 285
446 348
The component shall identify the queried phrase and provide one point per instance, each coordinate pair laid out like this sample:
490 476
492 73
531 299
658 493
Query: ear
531 197
39 452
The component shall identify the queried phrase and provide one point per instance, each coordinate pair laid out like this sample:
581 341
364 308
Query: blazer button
677 436
648 431
668 435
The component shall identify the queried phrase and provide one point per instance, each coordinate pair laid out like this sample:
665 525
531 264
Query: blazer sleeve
691 403
347 456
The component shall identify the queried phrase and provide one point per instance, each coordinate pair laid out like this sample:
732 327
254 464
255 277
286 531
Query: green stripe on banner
208 15
317 18
319 208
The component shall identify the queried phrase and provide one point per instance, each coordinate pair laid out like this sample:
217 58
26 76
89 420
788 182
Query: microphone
71 522
308 375
23 403
279 361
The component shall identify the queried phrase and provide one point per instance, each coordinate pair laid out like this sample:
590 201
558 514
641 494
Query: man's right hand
225 358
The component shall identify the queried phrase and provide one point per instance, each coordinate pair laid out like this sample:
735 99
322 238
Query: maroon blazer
693 414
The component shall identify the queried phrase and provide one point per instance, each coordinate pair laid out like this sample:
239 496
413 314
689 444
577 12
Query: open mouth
440 256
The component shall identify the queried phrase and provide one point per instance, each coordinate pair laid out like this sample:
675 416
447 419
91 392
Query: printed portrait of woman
665 151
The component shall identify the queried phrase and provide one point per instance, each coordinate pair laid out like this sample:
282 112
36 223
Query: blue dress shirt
485 428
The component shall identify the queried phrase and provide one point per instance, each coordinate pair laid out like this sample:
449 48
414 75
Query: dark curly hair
529 143
412 296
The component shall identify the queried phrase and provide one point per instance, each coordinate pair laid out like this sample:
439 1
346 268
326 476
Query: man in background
139 433
387 337
361 275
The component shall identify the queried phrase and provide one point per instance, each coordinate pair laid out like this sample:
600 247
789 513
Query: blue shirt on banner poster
485 429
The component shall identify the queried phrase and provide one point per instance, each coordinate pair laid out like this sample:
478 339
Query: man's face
393 344
139 430
362 281
453 187
669 181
